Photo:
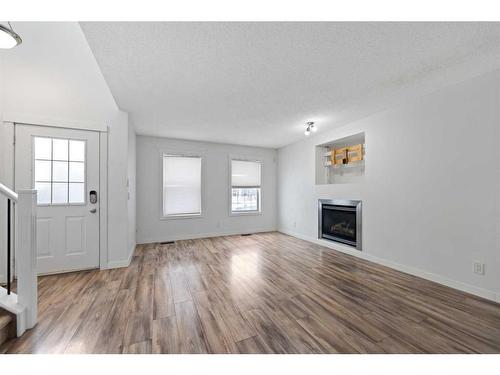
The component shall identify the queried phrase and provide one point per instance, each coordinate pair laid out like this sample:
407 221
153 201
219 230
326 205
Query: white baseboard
131 252
202 235
477 291
122 263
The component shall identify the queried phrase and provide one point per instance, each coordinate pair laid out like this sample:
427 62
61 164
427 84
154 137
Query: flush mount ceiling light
8 37
310 128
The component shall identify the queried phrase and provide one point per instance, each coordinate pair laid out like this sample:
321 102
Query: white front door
63 166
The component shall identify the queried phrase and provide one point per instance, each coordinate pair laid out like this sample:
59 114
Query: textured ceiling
258 83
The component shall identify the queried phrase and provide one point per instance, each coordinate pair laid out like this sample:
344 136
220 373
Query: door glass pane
59 192
53 170
60 173
43 189
43 148
76 172
76 193
42 170
60 149
77 150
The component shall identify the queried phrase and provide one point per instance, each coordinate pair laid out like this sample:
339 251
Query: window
245 186
181 185
59 171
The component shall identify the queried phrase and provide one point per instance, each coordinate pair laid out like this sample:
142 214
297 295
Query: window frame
260 200
202 185
33 162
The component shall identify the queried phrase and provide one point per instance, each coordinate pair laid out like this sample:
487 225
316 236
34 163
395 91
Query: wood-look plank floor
265 293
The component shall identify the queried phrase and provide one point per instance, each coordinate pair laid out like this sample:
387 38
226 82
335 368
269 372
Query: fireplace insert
340 220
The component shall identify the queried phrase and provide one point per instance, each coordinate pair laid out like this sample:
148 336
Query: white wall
52 78
216 219
53 75
4 163
431 188
118 246
2 92
131 190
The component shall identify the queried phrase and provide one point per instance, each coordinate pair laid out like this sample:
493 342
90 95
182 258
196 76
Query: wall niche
341 161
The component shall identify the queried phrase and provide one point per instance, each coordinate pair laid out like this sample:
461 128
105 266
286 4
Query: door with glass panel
63 166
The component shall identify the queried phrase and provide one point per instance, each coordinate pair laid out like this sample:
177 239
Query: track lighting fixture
310 128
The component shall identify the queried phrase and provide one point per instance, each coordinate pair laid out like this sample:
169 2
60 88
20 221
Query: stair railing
12 197
25 241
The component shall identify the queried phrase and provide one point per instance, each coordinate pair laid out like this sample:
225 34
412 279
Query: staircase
7 327
18 311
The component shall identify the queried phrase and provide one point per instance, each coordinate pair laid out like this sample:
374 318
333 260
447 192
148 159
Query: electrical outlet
295 224
479 268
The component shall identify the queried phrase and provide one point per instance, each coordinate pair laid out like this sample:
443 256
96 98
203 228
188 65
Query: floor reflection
245 266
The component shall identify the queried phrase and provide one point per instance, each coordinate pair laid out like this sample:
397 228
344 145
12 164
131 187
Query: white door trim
103 212
26 119
103 183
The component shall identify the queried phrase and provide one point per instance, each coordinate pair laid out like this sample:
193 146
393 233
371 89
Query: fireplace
339 220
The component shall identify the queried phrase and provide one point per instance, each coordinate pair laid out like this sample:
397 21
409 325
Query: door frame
102 132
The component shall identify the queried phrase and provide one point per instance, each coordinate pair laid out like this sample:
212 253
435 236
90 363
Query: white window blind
181 185
245 186
245 173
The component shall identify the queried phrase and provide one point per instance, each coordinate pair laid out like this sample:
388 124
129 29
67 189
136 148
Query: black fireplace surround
340 220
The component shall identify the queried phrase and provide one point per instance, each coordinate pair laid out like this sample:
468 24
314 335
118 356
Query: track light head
310 128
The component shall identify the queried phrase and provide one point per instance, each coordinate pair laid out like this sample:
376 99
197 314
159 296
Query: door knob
94 210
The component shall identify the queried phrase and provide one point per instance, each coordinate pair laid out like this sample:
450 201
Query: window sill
245 213
181 216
